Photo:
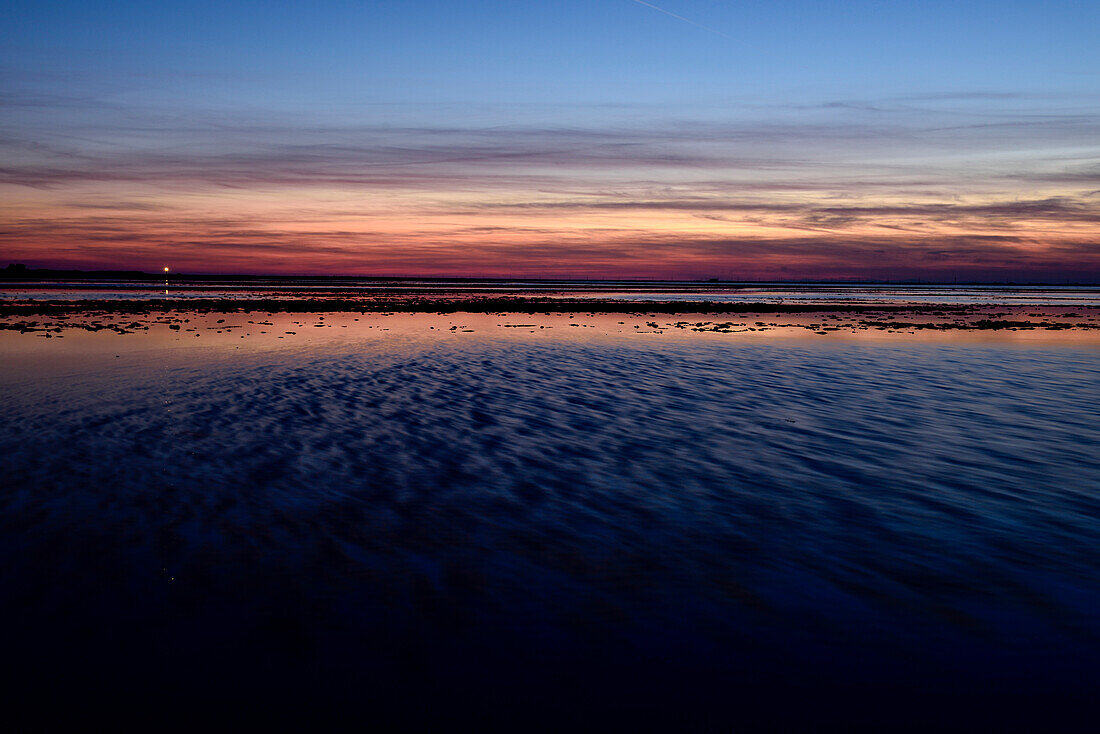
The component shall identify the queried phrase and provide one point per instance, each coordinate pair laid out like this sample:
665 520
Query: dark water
655 535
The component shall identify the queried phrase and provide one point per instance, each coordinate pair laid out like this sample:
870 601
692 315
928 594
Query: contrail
680 17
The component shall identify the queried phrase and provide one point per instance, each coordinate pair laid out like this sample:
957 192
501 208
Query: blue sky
293 55
484 108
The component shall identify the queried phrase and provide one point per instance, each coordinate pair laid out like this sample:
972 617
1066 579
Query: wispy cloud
889 184
223 243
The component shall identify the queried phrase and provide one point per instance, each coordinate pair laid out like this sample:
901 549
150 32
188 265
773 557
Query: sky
564 138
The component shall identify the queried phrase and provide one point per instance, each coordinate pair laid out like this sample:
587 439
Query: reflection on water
838 295
642 291
507 525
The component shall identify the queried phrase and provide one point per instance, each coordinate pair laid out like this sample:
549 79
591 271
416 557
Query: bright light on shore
166 268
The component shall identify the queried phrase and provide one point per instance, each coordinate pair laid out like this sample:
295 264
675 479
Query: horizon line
6 274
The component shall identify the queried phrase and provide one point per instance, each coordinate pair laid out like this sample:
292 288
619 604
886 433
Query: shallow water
502 525
641 291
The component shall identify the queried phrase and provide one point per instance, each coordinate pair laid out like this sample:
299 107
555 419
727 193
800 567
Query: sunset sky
594 138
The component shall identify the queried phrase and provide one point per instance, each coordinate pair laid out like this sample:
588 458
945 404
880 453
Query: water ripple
833 510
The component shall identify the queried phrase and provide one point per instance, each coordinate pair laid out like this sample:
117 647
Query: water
651 532
641 291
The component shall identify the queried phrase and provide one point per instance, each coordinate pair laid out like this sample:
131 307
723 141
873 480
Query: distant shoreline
470 305
14 274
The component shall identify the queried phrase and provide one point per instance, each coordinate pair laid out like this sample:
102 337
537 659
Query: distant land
19 271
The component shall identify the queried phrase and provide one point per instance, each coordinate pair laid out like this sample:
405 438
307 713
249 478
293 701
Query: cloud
52 140
219 244
1061 209
992 183
1074 174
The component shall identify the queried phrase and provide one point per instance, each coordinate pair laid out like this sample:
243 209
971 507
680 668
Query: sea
394 527
211 287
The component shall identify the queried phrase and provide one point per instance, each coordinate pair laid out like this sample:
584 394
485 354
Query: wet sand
250 318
